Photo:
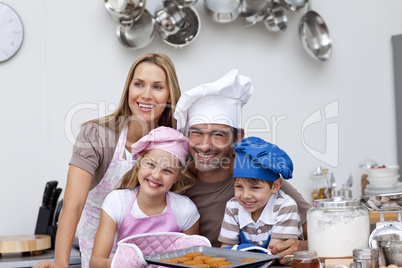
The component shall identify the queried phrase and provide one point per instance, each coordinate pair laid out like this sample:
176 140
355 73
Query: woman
101 154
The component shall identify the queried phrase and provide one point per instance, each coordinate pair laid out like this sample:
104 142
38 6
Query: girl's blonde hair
130 179
120 118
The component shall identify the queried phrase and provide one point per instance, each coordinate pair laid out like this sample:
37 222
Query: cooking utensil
57 213
169 19
383 201
251 7
185 3
276 19
253 11
314 35
139 33
390 248
333 184
24 243
54 196
189 32
223 11
125 11
46 194
293 5
233 256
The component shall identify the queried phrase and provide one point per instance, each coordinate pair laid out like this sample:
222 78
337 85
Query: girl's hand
48 264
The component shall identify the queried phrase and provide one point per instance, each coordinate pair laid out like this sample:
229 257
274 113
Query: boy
260 214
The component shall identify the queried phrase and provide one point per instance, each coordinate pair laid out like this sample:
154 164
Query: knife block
44 223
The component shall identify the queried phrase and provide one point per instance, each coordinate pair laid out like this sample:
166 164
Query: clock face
11 32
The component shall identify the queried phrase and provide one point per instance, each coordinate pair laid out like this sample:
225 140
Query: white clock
11 32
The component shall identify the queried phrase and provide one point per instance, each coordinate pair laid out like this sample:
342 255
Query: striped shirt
280 219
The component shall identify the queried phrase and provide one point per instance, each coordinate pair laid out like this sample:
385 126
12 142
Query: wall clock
11 32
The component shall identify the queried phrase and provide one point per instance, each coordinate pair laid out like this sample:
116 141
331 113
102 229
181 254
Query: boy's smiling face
254 194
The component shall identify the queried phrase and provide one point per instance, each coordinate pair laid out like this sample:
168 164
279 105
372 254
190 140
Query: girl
100 154
147 198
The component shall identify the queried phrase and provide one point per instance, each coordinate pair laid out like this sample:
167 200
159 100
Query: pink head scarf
163 138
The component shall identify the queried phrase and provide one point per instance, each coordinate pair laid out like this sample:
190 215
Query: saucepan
169 19
293 5
139 33
189 32
253 11
276 19
314 35
185 3
223 11
125 11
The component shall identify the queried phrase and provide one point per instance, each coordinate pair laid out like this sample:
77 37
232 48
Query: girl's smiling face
158 171
253 196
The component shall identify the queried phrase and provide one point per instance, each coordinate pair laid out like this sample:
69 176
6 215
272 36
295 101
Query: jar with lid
305 259
336 226
318 184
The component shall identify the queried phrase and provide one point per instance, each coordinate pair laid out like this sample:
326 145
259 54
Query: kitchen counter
15 260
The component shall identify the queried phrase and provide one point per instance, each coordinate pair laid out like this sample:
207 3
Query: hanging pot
125 11
314 35
139 33
276 19
189 32
169 19
293 5
223 11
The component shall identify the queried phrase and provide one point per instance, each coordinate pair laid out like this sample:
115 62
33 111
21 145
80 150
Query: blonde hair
120 118
130 179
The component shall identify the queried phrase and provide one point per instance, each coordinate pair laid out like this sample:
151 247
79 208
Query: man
210 115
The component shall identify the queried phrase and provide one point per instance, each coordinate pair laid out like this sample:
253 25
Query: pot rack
178 22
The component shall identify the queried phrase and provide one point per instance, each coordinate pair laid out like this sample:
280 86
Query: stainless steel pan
125 11
314 35
253 11
276 19
293 5
169 19
139 33
223 11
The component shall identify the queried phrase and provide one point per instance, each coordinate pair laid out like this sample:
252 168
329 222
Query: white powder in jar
337 234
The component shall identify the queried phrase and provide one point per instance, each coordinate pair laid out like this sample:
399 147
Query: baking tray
232 256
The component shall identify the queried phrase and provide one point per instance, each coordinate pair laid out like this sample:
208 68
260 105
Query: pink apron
165 222
90 216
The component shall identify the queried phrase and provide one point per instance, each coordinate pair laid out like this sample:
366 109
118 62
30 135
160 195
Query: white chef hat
219 102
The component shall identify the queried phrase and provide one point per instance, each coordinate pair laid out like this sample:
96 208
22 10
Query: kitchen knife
54 196
48 190
57 213
46 194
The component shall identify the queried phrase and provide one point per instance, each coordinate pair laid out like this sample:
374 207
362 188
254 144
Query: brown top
211 198
93 150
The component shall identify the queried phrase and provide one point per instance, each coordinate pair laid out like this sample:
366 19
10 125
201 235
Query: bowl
383 171
383 182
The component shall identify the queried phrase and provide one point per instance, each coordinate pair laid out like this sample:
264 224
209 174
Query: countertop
15 260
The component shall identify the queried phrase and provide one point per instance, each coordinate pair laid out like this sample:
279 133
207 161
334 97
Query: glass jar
318 183
336 226
305 259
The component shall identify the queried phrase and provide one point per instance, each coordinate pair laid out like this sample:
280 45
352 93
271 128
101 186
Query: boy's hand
287 247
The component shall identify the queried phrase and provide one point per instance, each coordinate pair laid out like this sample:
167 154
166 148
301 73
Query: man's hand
287 247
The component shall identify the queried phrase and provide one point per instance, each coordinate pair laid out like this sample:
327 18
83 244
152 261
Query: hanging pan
137 34
223 11
125 11
314 35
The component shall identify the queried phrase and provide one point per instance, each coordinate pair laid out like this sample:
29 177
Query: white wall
71 59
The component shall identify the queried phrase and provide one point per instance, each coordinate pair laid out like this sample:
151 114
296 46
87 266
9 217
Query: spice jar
336 226
305 259
365 258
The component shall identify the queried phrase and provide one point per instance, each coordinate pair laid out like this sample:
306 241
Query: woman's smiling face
148 92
